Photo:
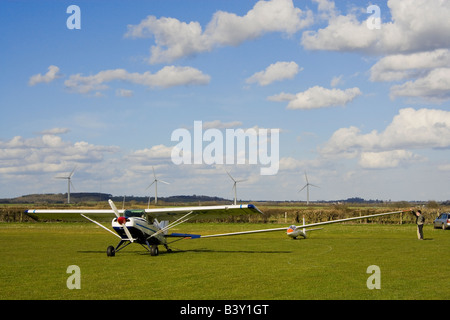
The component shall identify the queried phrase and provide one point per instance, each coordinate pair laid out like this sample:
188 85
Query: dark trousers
420 231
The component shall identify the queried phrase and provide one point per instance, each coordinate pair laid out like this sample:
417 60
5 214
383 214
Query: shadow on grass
178 251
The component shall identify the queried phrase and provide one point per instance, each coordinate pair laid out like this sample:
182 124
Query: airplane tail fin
163 224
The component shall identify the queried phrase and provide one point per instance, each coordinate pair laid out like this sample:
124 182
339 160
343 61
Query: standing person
420 220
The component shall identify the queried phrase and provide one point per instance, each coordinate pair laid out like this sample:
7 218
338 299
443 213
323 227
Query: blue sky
363 110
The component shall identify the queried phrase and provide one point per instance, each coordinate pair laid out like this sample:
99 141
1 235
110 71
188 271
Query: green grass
331 264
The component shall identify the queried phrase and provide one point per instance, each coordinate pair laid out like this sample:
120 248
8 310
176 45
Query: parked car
443 221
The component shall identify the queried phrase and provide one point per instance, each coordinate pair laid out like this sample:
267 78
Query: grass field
331 264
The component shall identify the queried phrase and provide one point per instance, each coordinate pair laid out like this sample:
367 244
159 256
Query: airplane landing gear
110 251
154 251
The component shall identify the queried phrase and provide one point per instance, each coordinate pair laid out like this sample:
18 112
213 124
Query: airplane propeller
121 220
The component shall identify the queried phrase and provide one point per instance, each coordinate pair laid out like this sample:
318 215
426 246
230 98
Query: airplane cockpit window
134 213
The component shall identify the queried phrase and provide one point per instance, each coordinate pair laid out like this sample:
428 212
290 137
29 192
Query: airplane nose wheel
154 251
110 251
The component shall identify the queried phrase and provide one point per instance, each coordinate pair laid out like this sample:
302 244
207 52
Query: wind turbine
307 188
155 181
234 186
69 183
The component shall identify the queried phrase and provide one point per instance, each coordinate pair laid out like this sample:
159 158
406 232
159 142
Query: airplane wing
91 211
161 212
300 226
230 210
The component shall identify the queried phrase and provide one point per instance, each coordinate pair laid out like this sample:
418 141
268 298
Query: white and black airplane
135 226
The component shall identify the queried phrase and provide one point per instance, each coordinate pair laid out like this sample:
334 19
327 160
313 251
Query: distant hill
77 197
84 197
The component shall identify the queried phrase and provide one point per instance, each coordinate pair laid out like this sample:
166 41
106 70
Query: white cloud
217 124
275 72
318 97
429 73
124 93
415 41
52 74
343 33
47 153
336 81
434 87
55 131
406 66
283 96
386 159
326 6
410 129
175 39
291 164
417 25
168 76
158 152
444 167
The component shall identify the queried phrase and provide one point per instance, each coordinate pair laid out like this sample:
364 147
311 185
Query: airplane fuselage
295 232
140 230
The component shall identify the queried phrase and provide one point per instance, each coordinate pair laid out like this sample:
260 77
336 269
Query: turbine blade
230 176
70 175
150 184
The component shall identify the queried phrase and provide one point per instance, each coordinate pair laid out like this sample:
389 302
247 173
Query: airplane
134 226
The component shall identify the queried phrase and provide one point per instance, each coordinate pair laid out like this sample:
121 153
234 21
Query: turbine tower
307 188
234 186
69 183
155 181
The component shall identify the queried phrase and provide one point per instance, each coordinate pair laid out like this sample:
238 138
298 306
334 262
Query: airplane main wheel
154 250
110 251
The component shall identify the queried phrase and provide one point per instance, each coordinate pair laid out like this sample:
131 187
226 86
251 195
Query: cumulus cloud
55 131
410 129
428 73
343 33
387 159
405 66
52 74
414 50
406 33
124 93
275 72
156 152
47 153
434 87
168 76
217 124
175 39
318 97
